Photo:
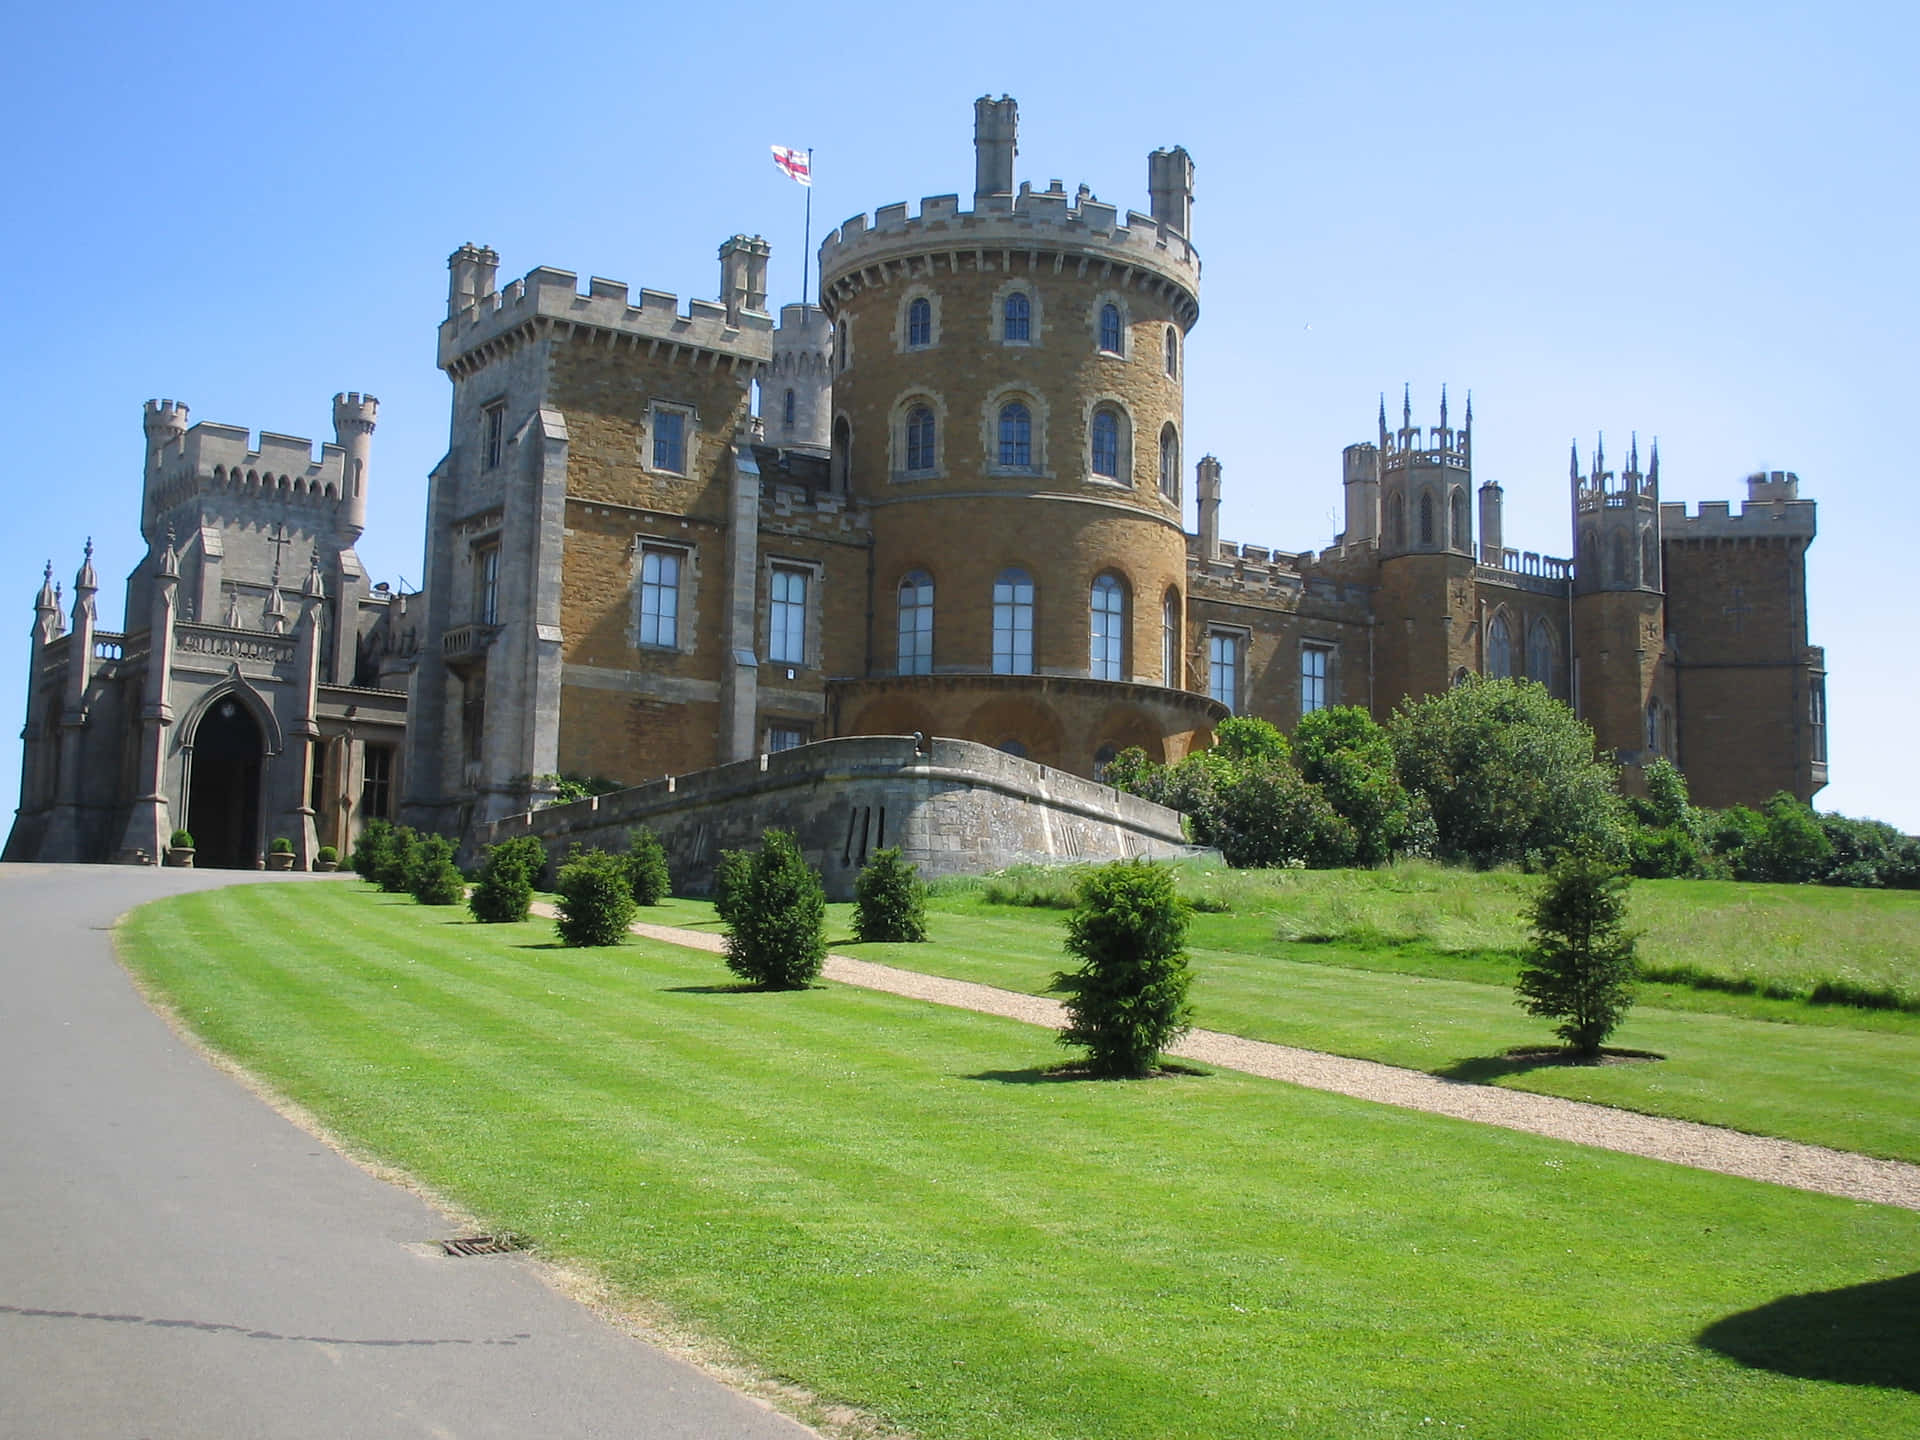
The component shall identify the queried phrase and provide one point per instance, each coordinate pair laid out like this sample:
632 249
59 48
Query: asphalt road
176 1260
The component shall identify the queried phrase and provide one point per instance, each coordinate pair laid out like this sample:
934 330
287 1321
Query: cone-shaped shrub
777 918
505 888
1128 1000
393 870
596 898
1581 968
647 866
730 873
892 899
435 879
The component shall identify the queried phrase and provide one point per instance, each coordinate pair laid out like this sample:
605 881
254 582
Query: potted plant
326 858
180 850
280 854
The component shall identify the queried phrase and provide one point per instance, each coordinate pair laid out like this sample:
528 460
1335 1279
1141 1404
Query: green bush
1247 739
1128 1000
1580 969
1350 758
504 891
730 871
647 867
281 845
1669 852
181 840
776 925
1266 815
596 898
891 899
433 878
375 836
393 871
327 855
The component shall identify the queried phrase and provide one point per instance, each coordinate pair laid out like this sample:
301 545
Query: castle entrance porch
223 794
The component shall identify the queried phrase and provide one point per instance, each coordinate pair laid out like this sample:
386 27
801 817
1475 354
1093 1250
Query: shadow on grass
1485 1069
738 987
1862 1335
1073 1073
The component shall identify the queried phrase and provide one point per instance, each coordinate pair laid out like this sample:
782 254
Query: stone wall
954 808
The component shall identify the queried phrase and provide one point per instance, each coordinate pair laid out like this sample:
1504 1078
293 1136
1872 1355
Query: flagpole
806 245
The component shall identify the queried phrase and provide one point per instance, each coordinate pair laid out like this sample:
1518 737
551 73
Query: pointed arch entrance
223 793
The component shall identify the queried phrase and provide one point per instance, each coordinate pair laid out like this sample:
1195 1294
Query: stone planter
279 860
326 867
180 856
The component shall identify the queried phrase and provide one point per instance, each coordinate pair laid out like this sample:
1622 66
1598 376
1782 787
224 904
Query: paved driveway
176 1260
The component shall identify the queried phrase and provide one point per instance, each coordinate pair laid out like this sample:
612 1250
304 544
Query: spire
1469 424
1653 464
276 612
1406 406
314 589
169 559
1573 459
86 582
1599 454
1443 404
1633 455
48 599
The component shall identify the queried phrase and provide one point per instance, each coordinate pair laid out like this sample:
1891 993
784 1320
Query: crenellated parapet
1046 229
1755 520
211 457
550 301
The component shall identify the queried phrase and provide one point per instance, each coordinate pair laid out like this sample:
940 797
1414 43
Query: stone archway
223 794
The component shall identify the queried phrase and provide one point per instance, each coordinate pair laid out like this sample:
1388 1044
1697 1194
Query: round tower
353 420
165 423
1007 397
796 396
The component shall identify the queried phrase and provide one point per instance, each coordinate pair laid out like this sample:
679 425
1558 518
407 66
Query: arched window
1653 726
1649 559
1016 436
1013 623
841 465
916 623
1110 328
920 438
1107 628
787 410
1170 462
841 358
1396 522
1018 317
1590 561
1540 653
1499 648
919 323
1173 351
1106 444
1619 559
1462 533
1170 640
1426 518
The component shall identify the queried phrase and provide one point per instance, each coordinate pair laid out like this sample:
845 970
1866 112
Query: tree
1350 758
777 920
1246 739
730 871
596 898
375 836
1507 771
1128 1000
433 878
504 891
1267 815
647 867
1580 969
891 899
393 869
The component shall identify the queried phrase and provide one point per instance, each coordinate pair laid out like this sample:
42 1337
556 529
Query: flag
795 163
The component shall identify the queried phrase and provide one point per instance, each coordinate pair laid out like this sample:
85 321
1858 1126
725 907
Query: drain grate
483 1245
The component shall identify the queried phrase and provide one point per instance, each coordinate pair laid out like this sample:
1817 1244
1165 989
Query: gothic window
1170 640
787 411
787 617
1223 668
1173 352
916 623
1315 663
1170 462
841 464
1017 318
1499 648
660 597
1653 726
1106 444
1110 329
486 584
496 433
920 438
1016 436
1426 519
1590 560
1013 623
1649 559
1540 653
841 354
1107 628
1396 522
919 323
1462 533
1619 559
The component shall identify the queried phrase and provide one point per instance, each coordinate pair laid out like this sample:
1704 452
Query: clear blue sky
1693 221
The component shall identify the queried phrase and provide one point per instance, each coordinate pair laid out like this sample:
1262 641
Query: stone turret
1492 532
1170 188
796 395
743 275
996 137
471 270
353 420
1425 476
1207 489
1360 478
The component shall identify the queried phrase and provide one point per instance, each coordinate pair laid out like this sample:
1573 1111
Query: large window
376 784
1106 444
1316 662
1170 641
486 584
1541 654
787 617
916 624
496 433
1013 623
1817 719
1170 462
1107 629
785 735
1016 436
670 441
919 323
1110 328
920 438
1499 647
1223 668
660 597
1017 322
1426 518
1462 531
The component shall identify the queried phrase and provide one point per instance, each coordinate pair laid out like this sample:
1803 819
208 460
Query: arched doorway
223 801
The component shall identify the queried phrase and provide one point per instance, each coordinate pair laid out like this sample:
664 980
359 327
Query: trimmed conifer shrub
504 890
596 898
777 918
393 869
647 867
1128 1000
1581 967
730 872
365 860
434 878
891 899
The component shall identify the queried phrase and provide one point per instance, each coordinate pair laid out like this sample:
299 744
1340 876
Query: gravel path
1681 1142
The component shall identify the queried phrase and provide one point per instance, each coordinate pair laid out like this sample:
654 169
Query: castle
957 512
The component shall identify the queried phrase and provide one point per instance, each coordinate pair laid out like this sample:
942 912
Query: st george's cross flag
795 163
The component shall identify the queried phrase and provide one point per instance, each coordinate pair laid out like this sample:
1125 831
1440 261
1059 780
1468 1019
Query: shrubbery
1580 969
776 917
647 867
393 865
433 877
365 860
596 898
891 899
1128 1000
730 871
504 890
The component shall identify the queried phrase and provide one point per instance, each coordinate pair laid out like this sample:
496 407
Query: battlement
1756 520
1423 446
1038 220
210 455
554 296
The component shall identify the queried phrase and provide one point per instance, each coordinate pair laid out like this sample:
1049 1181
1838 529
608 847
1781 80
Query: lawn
893 1205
